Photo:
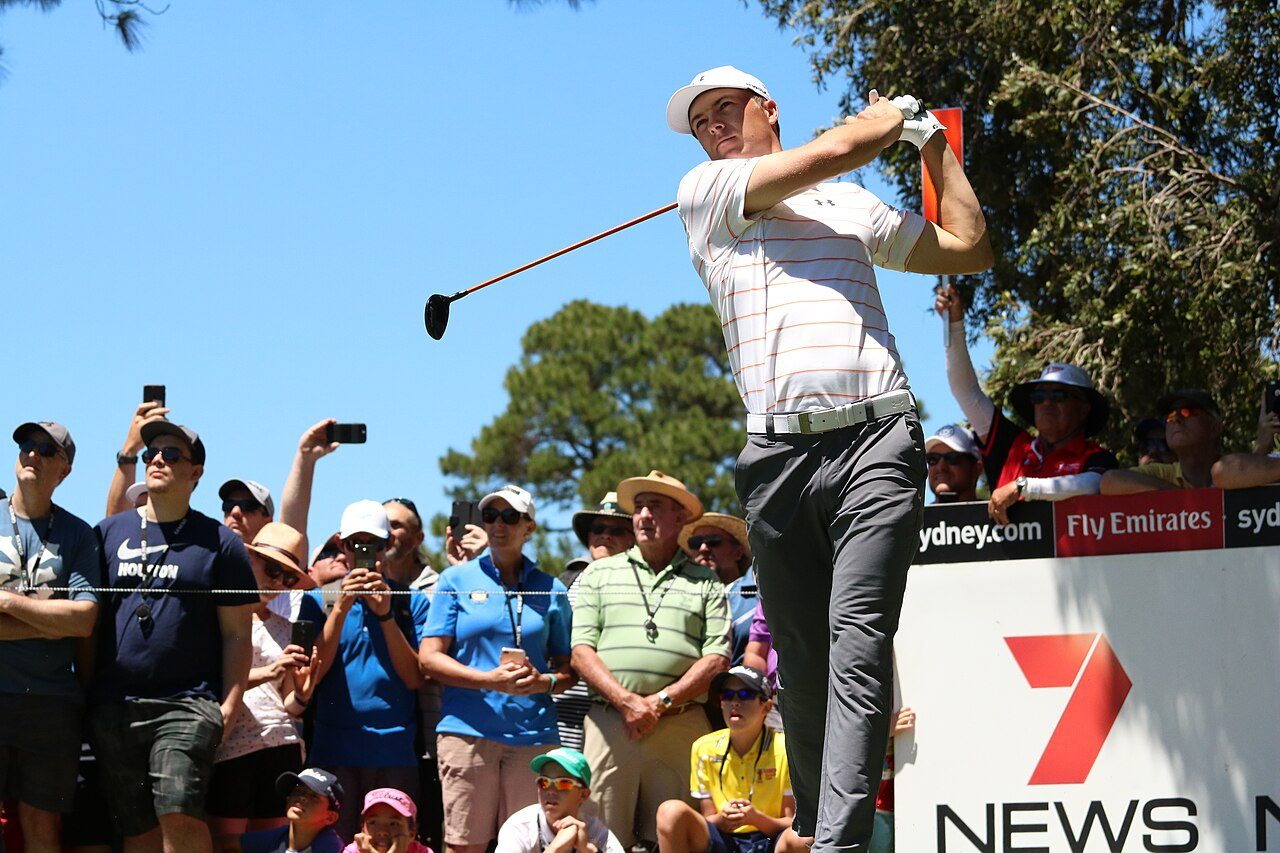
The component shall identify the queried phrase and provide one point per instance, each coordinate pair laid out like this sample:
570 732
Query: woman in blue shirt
497 638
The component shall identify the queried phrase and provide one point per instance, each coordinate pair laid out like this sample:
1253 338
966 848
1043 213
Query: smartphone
153 394
509 655
303 634
366 557
462 514
346 433
1273 396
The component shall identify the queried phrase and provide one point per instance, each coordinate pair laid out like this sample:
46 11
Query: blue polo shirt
478 613
742 595
365 715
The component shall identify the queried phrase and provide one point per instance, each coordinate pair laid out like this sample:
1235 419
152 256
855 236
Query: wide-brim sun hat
282 545
1060 373
730 524
662 484
609 508
721 77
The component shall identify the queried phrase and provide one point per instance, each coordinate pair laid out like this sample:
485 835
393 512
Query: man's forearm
1122 482
16 629
120 483
295 499
51 618
959 213
593 671
697 678
403 658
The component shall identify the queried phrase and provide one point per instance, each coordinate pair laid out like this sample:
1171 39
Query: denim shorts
155 757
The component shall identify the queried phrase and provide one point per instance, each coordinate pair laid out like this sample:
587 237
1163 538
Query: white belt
825 420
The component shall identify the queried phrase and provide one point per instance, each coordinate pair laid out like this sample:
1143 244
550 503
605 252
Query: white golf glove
920 128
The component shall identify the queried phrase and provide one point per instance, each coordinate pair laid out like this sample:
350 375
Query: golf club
436 313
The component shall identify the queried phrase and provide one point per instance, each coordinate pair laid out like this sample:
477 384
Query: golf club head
436 315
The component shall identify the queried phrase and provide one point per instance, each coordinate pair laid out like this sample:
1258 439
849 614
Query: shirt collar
487 566
678 562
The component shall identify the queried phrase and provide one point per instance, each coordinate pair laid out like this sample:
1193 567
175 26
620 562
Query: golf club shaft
614 230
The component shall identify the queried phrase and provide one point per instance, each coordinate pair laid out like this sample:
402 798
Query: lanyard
29 572
149 570
766 734
650 627
517 619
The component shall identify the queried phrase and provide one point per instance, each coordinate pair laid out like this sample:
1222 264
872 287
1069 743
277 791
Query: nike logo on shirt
126 554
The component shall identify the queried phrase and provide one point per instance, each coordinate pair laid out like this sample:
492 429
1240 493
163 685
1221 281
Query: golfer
832 477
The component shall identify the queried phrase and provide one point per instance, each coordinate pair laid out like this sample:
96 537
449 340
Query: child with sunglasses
555 824
740 779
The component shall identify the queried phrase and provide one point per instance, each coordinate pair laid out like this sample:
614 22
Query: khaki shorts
484 782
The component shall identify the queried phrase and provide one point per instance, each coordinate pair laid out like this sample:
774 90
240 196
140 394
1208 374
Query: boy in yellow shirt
739 779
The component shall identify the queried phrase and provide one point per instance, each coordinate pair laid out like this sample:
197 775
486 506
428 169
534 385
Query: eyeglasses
407 504
1052 395
560 783
275 573
47 449
611 529
696 542
1182 413
955 457
245 505
509 516
742 694
170 455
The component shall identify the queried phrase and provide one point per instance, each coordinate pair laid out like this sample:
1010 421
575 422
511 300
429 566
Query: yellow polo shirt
760 777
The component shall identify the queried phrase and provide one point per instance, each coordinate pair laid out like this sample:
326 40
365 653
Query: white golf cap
957 438
518 498
724 77
364 517
132 493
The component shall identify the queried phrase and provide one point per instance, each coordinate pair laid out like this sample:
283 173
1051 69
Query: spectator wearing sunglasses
498 640
1061 460
246 507
955 464
126 470
365 704
556 823
262 740
719 542
173 655
739 778
42 546
1193 429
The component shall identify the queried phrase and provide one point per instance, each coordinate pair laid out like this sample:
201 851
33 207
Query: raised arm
957 244
295 500
977 406
126 472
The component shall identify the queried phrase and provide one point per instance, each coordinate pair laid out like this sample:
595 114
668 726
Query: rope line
111 590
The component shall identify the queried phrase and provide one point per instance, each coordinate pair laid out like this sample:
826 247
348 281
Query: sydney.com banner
1098 675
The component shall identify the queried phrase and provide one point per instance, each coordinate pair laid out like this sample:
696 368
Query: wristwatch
123 459
1021 483
664 699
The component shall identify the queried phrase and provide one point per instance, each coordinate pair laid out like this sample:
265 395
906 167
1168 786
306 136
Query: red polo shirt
1014 453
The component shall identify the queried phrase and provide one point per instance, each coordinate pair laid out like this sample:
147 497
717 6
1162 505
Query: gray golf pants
834 521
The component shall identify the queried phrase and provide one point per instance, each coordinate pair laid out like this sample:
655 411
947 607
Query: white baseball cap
957 438
364 517
723 77
520 500
132 493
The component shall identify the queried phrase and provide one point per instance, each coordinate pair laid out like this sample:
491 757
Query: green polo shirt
691 614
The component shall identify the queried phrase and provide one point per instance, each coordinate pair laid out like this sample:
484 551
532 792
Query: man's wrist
124 457
384 617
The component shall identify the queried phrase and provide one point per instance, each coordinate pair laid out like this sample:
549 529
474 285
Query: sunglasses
1182 413
244 504
1053 395
742 694
955 457
612 530
509 516
275 573
560 783
696 542
375 544
170 455
47 449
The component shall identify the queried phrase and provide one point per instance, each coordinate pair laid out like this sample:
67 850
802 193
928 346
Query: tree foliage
1127 156
123 17
602 393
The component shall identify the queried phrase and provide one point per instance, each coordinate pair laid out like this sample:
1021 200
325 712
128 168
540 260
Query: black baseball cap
154 429
753 678
320 781
1195 396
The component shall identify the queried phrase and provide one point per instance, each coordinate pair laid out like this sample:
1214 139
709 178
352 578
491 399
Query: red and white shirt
794 286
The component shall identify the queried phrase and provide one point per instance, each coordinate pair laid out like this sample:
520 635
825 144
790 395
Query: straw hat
282 545
609 508
731 524
662 484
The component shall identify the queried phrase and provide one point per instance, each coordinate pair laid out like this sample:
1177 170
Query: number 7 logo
1087 662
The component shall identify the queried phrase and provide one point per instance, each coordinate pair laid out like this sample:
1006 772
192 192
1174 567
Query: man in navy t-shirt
42 548
173 657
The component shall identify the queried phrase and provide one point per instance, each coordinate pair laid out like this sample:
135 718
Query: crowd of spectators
171 680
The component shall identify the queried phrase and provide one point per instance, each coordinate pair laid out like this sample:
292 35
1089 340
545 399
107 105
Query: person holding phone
365 704
262 741
497 638
1262 466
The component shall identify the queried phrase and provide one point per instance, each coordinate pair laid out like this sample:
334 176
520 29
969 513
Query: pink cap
397 799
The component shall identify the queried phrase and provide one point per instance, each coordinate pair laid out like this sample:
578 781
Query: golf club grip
614 230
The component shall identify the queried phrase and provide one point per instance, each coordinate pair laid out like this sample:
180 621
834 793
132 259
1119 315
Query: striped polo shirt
794 286
692 617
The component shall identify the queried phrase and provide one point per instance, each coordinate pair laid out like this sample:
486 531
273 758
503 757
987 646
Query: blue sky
253 209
